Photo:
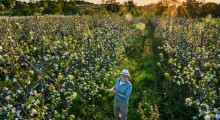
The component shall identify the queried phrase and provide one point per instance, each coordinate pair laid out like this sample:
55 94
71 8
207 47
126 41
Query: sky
145 2
138 2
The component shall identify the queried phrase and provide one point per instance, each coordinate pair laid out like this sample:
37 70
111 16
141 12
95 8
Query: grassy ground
5 12
141 62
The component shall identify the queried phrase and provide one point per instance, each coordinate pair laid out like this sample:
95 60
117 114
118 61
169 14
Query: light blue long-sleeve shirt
123 89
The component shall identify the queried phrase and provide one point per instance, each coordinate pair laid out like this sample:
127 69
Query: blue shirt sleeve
127 93
116 82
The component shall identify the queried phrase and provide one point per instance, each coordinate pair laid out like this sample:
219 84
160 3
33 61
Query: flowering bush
47 62
193 49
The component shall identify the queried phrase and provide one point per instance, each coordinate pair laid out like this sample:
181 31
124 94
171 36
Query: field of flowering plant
46 62
193 47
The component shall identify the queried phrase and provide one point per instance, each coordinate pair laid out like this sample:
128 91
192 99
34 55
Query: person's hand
111 90
114 91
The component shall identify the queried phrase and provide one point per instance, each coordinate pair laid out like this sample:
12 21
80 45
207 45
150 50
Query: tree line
189 8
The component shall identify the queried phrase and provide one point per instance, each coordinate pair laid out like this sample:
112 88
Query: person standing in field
122 90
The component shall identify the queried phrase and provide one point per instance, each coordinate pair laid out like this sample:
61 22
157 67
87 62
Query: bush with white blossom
194 57
47 62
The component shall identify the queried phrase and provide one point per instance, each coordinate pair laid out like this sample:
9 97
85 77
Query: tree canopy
189 8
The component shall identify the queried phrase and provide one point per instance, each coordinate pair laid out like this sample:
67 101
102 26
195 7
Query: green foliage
22 9
193 61
104 11
1 6
7 3
52 66
209 8
114 7
70 8
53 9
130 5
89 11
194 8
189 8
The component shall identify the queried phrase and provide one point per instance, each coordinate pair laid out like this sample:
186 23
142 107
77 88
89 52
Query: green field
59 67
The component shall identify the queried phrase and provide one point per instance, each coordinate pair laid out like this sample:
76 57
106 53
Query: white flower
200 111
33 100
196 68
56 65
188 101
194 92
14 95
35 92
53 57
31 93
1 48
18 112
61 90
5 108
7 78
207 117
7 97
29 106
5 88
207 107
213 101
215 110
67 98
9 106
74 94
85 88
14 80
197 103
29 82
178 82
13 110
194 117
72 83
33 111
18 115
217 116
183 82
18 91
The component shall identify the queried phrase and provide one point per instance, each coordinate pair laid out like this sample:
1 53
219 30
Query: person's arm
127 93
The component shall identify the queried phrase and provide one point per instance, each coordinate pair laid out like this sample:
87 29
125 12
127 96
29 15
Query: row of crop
47 62
194 60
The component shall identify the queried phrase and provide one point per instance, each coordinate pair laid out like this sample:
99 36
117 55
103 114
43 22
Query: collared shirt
122 82
123 89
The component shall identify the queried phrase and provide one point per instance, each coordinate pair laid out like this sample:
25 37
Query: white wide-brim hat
125 72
